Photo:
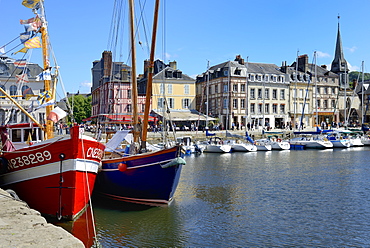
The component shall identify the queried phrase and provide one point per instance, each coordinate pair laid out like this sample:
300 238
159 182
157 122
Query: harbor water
310 198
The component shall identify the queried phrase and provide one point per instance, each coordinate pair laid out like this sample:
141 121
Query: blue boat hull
140 178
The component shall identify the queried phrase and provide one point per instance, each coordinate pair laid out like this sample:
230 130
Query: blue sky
197 31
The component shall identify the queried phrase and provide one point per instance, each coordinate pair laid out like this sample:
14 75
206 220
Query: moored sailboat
56 175
140 176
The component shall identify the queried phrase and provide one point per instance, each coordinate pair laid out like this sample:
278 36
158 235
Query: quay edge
22 226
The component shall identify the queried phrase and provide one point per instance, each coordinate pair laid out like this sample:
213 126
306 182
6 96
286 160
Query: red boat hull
55 177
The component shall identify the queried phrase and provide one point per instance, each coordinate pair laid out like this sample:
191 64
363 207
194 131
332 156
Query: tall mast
362 95
246 96
45 56
150 76
295 90
207 93
228 98
317 114
133 72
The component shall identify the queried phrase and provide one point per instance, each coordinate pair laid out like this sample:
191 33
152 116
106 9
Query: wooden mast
150 77
133 72
45 56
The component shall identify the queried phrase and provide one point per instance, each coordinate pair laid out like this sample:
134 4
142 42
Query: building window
129 108
325 104
226 88
252 94
242 88
300 93
160 102
282 94
318 103
267 93
13 90
216 88
251 77
259 93
2 116
274 94
242 103
24 118
171 103
333 103
169 89
186 89
226 105
235 87
274 108
325 90
260 108
129 94
3 87
282 109
235 103
267 108
253 108
185 103
161 88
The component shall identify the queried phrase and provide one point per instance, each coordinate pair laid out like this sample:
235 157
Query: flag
45 75
25 36
27 21
27 93
22 78
42 97
30 3
23 50
33 43
56 115
20 63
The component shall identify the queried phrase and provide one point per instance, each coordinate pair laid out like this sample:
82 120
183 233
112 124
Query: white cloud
322 54
352 49
86 84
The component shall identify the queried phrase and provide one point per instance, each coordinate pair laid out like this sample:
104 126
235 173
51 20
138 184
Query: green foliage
358 76
81 107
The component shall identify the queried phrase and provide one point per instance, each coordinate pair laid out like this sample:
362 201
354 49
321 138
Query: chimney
303 63
173 65
107 63
146 67
124 75
239 59
324 66
283 67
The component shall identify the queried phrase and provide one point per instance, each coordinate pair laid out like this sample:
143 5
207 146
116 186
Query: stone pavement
21 226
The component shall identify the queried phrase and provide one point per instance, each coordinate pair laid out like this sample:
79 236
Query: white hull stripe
49 169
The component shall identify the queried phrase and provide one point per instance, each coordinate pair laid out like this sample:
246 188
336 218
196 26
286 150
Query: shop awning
185 116
116 117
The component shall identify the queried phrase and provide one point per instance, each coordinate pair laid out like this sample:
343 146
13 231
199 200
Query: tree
358 76
81 106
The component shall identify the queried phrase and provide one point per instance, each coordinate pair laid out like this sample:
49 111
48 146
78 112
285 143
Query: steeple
339 64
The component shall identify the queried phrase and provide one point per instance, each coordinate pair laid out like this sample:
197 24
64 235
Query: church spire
339 64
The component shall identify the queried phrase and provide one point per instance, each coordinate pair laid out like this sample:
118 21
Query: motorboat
241 146
263 145
338 140
311 141
216 145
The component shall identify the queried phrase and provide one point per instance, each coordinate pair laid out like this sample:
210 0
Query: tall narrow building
339 64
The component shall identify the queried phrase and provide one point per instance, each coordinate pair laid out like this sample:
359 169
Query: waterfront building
111 90
25 91
170 84
240 92
348 103
313 93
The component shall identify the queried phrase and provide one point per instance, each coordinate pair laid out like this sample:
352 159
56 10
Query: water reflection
311 198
